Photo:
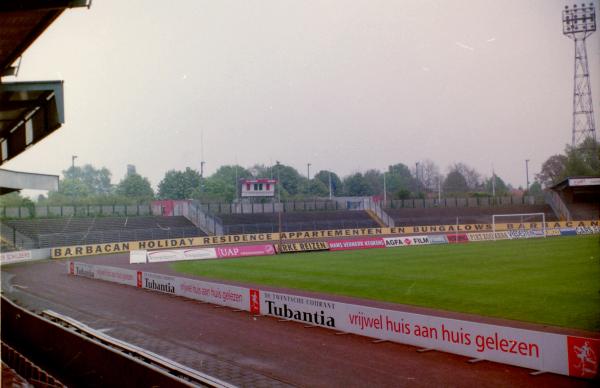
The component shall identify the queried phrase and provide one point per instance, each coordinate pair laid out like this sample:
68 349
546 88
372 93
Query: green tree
96 180
536 189
471 176
222 185
179 184
318 188
583 160
500 186
356 185
553 170
336 182
374 179
399 178
290 179
14 199
455 183
74 188
135 186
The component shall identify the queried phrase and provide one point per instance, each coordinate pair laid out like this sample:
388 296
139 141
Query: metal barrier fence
109 236
75 211
14 239
202 218
342 203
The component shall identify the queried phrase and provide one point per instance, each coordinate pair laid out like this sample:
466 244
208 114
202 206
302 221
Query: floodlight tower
578 24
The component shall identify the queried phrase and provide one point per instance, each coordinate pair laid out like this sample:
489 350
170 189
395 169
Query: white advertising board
138 257
584 181
15 257
406 241
538 350
181 254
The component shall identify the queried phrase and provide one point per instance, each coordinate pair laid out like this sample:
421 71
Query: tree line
90 185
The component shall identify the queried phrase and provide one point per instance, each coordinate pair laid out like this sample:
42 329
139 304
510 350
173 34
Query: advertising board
244 251
181 254
303 247
487 236
138 257
15 257
221 294
537 350
206 241
525 233
438 239
456 238
357 243
392 242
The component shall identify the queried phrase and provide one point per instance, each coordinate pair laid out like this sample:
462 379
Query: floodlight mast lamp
578 24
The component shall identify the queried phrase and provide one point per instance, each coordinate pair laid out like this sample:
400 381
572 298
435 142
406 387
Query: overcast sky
346 85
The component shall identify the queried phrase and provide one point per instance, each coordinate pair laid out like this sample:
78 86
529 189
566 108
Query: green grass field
553 281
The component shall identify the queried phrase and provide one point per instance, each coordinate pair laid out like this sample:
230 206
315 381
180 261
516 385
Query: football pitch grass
553 281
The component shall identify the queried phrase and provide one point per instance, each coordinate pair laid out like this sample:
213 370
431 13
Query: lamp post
384 190
278 182
527 173
308 178
417 176
280 205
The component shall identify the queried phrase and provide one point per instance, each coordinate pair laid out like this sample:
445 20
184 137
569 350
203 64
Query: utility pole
278 182
73 157
384 190
330 193
417 176
308 178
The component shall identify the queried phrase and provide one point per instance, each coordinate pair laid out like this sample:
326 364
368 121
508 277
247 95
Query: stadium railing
111 236
558 205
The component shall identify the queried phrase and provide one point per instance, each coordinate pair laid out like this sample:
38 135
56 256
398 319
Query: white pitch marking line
424 350
475 360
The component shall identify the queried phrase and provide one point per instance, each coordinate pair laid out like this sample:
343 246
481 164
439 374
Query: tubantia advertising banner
100 272
303 247
359 243
537 350
526 348
392 242
245 251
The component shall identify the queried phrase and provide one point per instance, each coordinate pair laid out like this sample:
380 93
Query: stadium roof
578 181
22 21
14 180
29 111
